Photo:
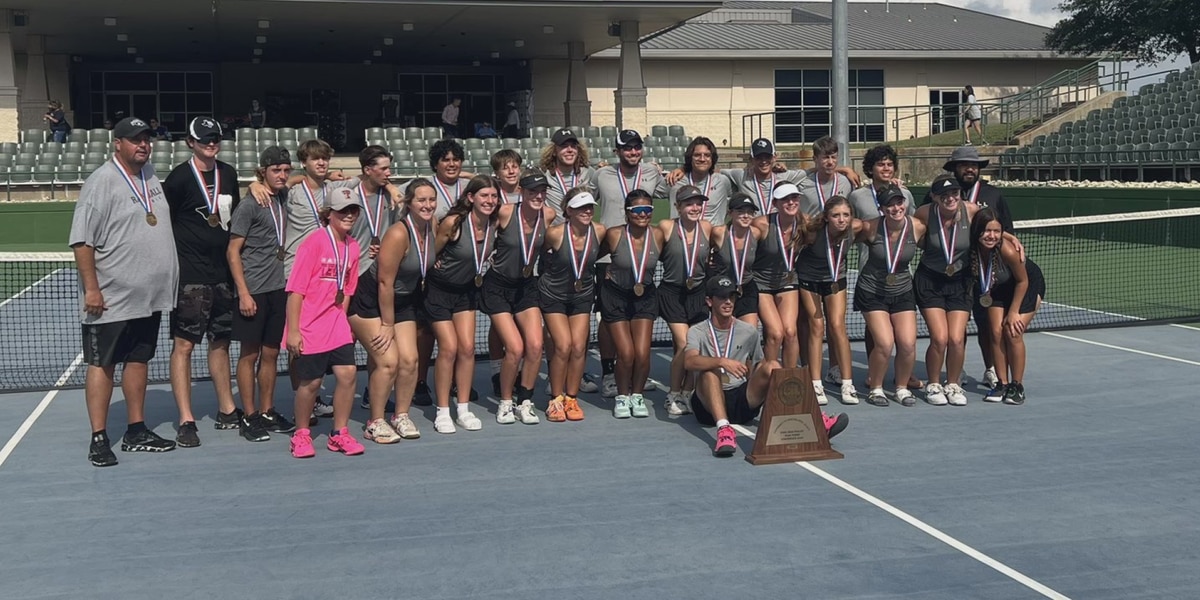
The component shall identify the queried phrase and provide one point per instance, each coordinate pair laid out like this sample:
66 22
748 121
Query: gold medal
792 279
281 254
985 300
479 281
690 283
578 285
951 270
340 298
739 290
527 272
835 287
893 279
214 220
725 378
638 289
151 219
374 241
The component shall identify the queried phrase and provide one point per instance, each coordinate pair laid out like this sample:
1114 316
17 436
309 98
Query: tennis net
1100 271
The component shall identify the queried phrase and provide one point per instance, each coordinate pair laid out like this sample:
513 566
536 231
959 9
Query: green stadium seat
306 133
608 132
9 148
478 154
161 168
677 131
406 168
1091 155
245 133
68 173
78 135
178 158
30 147
401 154
94 158
511 143
492 144
247 144
1194 151
1178 152
529 143
291 145
227 156
377 142
591 132
414 133
161 146
20 174
432 133
539 132
44 173
420 156
89 168
1121 102
1124 153
99 135
393 133
228 146
74 147
1159 152
6 160
54 147
658 130
25 158
267 134
1108 153
472 143
33 136
375 133
649 151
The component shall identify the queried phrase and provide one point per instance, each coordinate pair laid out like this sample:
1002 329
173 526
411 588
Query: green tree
1148 31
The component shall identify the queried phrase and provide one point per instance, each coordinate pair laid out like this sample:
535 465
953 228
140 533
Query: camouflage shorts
203 309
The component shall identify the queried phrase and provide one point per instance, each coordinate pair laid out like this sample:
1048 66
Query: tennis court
1087 491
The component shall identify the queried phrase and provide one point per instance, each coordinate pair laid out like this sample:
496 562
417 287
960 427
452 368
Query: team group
538 250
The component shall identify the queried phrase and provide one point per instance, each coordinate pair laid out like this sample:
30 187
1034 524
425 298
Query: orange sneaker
555 411
571 405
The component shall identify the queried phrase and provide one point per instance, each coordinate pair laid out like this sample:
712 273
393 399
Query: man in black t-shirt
200 193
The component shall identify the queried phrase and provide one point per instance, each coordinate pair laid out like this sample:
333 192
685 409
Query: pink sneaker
726 442
342 441
302 444
835 425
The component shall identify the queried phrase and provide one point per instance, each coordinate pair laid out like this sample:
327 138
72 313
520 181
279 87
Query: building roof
875 30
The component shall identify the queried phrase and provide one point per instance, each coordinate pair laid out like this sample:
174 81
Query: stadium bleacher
35 161
1157 128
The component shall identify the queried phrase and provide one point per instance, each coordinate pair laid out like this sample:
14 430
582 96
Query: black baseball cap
762 147
274 155
129 128
628 137
533 181
688 192
720 287
204 129
741 200
889 193
563 136
944 183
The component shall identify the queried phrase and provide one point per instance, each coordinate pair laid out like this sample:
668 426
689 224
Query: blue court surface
1087 491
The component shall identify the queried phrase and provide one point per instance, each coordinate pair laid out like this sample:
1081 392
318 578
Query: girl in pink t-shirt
318 332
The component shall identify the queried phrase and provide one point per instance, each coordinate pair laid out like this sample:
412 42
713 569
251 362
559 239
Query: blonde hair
549 158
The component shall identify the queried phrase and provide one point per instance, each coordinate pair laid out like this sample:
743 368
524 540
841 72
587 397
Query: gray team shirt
746 345
301 220
379 204
260 254
611 195
560 184
136 265
811 202
761 190
865 206
717 186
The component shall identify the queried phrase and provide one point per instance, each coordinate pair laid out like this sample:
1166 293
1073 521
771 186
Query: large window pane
789 135
870 97
788 98
199 103
199 82
787 78
812 134
817 116
870 77
870 115
816 97
172 102
816 78
789 117
171 82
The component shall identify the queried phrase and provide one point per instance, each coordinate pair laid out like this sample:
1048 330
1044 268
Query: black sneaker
100 452
187 437
421 395
232 420
145 441
253 428
1014 394
496 384
277 423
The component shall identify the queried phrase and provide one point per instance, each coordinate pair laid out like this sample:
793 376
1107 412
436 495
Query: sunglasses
631 147
640 211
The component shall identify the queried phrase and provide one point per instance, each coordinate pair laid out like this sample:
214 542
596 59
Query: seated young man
731 375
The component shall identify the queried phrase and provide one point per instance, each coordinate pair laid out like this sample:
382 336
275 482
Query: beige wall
710 97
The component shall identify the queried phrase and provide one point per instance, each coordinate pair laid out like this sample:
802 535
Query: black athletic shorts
132 341
737 408
823 288
266 326
1002 295
865 301
937 290
365 303
573 304
617 304
501 296
677 304
747 303
442 302
308 367
203 309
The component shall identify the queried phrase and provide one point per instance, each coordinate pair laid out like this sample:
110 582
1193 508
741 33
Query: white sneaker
651 384
833 377
849 394
819 390
504 414
990 380
468 421
443 424
526 413
608 387
674 403
955 395
380 432
934 394
322 409
621 407
905 397
587 385
405 426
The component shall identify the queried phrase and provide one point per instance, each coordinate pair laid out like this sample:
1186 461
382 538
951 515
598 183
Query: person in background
122 240
159 131
56 119
257 115
485 131
512 122
450 115
972 115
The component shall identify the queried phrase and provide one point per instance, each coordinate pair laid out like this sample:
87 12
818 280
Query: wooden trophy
790 428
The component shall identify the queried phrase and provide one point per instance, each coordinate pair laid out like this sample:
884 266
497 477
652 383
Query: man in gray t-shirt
128 274
731 375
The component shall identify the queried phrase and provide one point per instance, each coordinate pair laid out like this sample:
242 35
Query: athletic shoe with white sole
990 379
322 410
621 407
905 397
637 406
468 421
443 424
833 376
675 405
380 432
849 394
934 394
587 384
526 413
1014 394
608 386
819 390
145 441
995 394
405 426
955 395
505 414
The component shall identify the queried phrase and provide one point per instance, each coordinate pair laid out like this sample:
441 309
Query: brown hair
504 157
314 149
549 158
463 205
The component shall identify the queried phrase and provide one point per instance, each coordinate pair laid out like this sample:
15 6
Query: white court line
37 412
1122 348
928 529
29 287
1183 326
1092 310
